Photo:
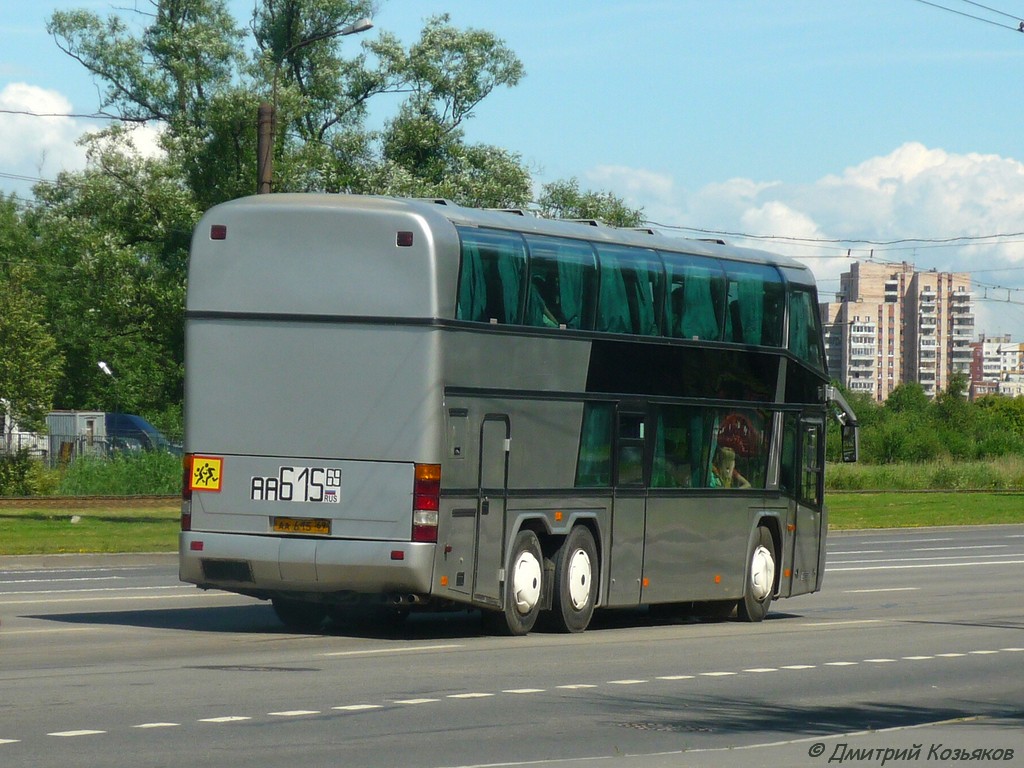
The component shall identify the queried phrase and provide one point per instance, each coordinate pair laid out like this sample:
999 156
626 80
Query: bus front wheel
760 582
575 588
524 583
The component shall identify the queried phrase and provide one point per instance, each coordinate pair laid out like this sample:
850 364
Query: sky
830 131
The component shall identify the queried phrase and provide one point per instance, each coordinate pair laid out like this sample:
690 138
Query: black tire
759 585
524 587
576 579
298 614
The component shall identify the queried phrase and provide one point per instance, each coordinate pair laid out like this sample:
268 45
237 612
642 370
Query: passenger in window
723 470
541 313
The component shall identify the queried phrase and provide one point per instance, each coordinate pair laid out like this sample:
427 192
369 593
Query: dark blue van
128 432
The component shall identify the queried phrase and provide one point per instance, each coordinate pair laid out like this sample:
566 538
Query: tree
29 359
114 237
114 243
186 71
907 397
565 200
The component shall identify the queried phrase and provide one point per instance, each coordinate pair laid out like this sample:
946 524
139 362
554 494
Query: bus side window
631 281
630 458
787 468
472 302
563 282
612 304
805 328
695 290
594 463
673 463
755 298
491 277
745 434
810 492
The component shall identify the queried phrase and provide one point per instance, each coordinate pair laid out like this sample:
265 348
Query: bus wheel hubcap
526 575
579 579
762 573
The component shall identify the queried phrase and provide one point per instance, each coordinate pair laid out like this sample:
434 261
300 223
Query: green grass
154 527
1004 473
34 531
913 510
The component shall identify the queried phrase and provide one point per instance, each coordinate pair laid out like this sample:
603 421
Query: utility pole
266 126
265 148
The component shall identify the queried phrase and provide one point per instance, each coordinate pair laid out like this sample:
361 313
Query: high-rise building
891 323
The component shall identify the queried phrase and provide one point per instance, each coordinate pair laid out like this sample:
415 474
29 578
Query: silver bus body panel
371 499
284 565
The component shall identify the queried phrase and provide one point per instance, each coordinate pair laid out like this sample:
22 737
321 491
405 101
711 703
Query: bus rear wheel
299 614
575 588
760 582
524 584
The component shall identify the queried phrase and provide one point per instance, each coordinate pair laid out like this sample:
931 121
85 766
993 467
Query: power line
993 10
959 239
28 113
1018 28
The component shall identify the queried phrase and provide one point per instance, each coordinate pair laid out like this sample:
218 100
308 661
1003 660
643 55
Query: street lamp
268 110
107 370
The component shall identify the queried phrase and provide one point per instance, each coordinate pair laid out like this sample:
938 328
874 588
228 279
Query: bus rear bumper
273 564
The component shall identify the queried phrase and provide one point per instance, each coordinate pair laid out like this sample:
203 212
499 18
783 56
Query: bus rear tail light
426 501
186 477
186 492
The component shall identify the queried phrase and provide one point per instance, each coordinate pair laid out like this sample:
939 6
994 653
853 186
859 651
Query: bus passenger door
808 538
629 510
495 432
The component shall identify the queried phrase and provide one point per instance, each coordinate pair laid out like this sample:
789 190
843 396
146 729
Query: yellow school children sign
206 473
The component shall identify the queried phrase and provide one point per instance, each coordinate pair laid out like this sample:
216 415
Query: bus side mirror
851 442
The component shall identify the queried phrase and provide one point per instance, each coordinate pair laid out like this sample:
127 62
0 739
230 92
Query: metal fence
60 449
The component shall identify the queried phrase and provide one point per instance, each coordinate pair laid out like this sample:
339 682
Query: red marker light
218 232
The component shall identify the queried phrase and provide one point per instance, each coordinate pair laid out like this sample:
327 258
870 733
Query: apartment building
997 366
891 323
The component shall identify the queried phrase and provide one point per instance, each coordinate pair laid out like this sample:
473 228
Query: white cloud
631 182
38 147
913 192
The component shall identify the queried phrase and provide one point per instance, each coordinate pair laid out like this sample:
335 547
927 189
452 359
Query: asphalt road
916 645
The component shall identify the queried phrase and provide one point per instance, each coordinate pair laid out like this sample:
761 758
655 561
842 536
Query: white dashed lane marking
364 707
72 734
294 713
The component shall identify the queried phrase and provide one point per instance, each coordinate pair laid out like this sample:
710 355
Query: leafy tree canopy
112 240
29 357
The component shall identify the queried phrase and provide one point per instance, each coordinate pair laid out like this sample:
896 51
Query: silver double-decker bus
409 404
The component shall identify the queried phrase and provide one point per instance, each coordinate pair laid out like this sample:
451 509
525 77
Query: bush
22 475
126 474
14 469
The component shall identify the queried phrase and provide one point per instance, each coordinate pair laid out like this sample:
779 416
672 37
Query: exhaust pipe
409 599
